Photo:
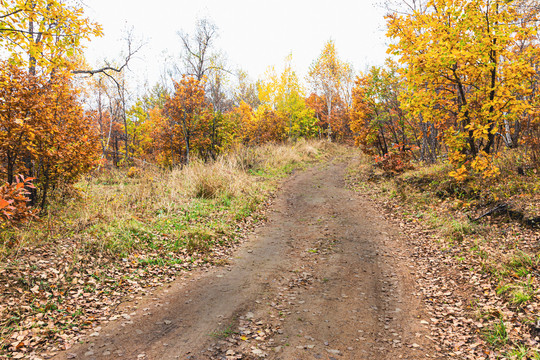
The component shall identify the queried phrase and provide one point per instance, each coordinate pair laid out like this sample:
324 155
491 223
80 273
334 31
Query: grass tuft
497 335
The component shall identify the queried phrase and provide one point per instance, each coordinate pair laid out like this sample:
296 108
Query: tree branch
103 70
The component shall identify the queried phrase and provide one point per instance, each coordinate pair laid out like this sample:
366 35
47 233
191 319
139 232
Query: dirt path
325 278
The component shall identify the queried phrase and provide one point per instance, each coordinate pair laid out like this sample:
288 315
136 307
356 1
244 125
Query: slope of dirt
327 277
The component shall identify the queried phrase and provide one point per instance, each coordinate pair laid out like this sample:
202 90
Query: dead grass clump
244 158
310 149
210 181
270 157
280 156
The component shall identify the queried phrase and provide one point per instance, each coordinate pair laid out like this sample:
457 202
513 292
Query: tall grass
121 211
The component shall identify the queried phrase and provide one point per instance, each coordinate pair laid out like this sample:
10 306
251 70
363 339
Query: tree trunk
187 149
329 117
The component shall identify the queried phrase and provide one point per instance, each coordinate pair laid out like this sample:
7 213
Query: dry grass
210 181
115 206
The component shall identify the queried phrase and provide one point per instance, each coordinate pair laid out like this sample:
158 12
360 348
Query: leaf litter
56 294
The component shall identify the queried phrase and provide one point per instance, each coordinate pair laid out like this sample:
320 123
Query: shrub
14 202
396 161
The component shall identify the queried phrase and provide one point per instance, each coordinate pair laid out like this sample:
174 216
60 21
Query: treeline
462 86
59 119
200 116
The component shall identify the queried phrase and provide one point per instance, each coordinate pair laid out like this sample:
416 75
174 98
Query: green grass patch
497 335
522 352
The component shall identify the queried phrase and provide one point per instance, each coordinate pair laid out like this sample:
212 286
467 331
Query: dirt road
325 278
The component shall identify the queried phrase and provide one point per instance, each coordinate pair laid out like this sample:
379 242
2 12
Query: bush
14 201
396 161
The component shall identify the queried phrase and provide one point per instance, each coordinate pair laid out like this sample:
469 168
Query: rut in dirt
325 278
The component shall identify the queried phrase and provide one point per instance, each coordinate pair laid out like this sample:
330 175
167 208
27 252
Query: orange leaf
3 203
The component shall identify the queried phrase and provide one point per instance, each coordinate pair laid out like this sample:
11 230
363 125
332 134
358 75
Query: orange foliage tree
338 123
188 120
378 120
43 130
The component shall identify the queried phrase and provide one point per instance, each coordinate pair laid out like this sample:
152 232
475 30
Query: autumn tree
378 120
327 75
242 116
317 104
142 124
43 130
246 91
42 116
44 34
466 69
206 64
187 113
283 93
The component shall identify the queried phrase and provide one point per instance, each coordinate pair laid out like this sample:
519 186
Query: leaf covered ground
479 280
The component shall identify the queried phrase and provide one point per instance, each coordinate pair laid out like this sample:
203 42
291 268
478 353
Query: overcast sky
254 34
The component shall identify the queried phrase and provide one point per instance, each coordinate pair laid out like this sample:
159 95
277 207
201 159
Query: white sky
254 34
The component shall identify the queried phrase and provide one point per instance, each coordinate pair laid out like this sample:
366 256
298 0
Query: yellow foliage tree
44 34
467 68
285 94
327 75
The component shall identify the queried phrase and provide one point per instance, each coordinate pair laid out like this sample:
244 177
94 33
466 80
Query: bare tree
109 68
198 54
217 90
115 74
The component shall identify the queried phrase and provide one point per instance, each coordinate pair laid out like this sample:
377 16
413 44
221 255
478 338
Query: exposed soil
325 278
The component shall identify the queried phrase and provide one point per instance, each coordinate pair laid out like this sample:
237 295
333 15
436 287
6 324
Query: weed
522 262
497 335
224 333
455 230
199 240
158 261
520 296
503 289
522 352
523 293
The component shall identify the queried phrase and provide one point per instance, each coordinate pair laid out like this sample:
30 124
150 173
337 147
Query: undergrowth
121 211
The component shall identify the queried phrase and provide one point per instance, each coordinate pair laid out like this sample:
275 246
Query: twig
498 208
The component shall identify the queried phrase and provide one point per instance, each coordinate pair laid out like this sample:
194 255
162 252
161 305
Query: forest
163 179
